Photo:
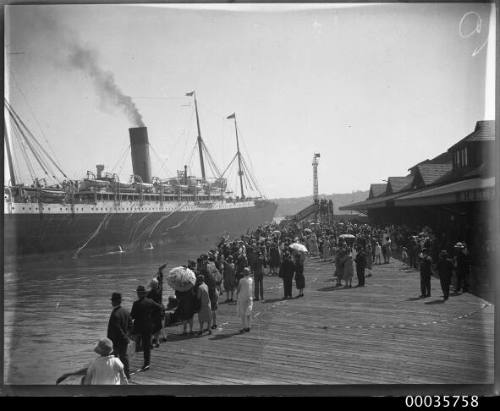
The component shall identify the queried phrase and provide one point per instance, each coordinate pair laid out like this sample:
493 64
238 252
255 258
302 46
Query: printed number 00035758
445 401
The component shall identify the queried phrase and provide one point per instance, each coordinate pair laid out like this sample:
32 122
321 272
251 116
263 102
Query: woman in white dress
245 300
378 254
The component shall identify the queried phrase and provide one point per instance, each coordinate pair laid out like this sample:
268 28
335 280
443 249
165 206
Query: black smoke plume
110 94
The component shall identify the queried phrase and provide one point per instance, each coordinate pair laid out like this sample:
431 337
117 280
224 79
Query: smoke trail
108 91
40 29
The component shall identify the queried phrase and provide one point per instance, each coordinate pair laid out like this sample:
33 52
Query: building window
465 155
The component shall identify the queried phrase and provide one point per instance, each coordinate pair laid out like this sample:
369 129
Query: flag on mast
190 94
231 116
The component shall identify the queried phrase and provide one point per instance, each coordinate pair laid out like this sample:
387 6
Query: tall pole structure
200 141
240 173
315 163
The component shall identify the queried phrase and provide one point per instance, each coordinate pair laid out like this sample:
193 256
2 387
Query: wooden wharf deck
378 334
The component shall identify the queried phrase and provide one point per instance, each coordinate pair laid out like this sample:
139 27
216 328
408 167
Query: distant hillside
290 206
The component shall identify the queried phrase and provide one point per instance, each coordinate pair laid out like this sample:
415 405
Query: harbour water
56 308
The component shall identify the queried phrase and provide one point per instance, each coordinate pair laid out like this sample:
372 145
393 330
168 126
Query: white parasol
181 278
346 236
298 247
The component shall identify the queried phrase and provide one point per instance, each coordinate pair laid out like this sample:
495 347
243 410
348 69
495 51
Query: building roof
473 189
431 172
442 158
377 190
484 131
378 202
397 184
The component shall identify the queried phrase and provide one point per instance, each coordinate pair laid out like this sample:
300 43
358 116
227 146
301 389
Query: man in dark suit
425 273
462 263
445 270
360 266
118 327
142 314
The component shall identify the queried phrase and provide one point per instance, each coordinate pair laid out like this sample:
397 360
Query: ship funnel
99 169
139 147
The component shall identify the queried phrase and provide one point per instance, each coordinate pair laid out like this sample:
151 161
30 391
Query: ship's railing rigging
31 150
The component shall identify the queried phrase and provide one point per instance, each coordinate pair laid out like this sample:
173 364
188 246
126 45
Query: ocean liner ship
100 212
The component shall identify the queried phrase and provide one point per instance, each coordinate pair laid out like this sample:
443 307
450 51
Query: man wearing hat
142 314
462 266
445 270
119 326
425 273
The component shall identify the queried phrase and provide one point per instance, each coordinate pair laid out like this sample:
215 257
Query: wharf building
452 193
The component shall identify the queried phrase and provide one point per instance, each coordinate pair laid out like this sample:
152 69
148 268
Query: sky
374 89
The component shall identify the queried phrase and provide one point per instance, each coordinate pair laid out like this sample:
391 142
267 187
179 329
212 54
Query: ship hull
78 234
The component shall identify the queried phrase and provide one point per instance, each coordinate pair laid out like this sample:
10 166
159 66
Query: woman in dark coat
339 265
287 270
229 278
360 266
300 280
274 258
186 308
155 295
241 264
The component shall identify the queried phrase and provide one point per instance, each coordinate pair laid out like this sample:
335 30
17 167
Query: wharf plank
378 334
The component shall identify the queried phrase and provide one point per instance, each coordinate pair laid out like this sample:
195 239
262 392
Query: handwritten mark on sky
476 18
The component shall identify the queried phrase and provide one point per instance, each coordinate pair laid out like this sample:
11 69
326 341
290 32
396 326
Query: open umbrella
346 236
307 230
181 278
277 232
298 247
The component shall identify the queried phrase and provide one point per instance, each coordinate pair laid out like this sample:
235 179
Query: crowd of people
237 268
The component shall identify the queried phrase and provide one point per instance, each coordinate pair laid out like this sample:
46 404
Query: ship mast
200 141
240 173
